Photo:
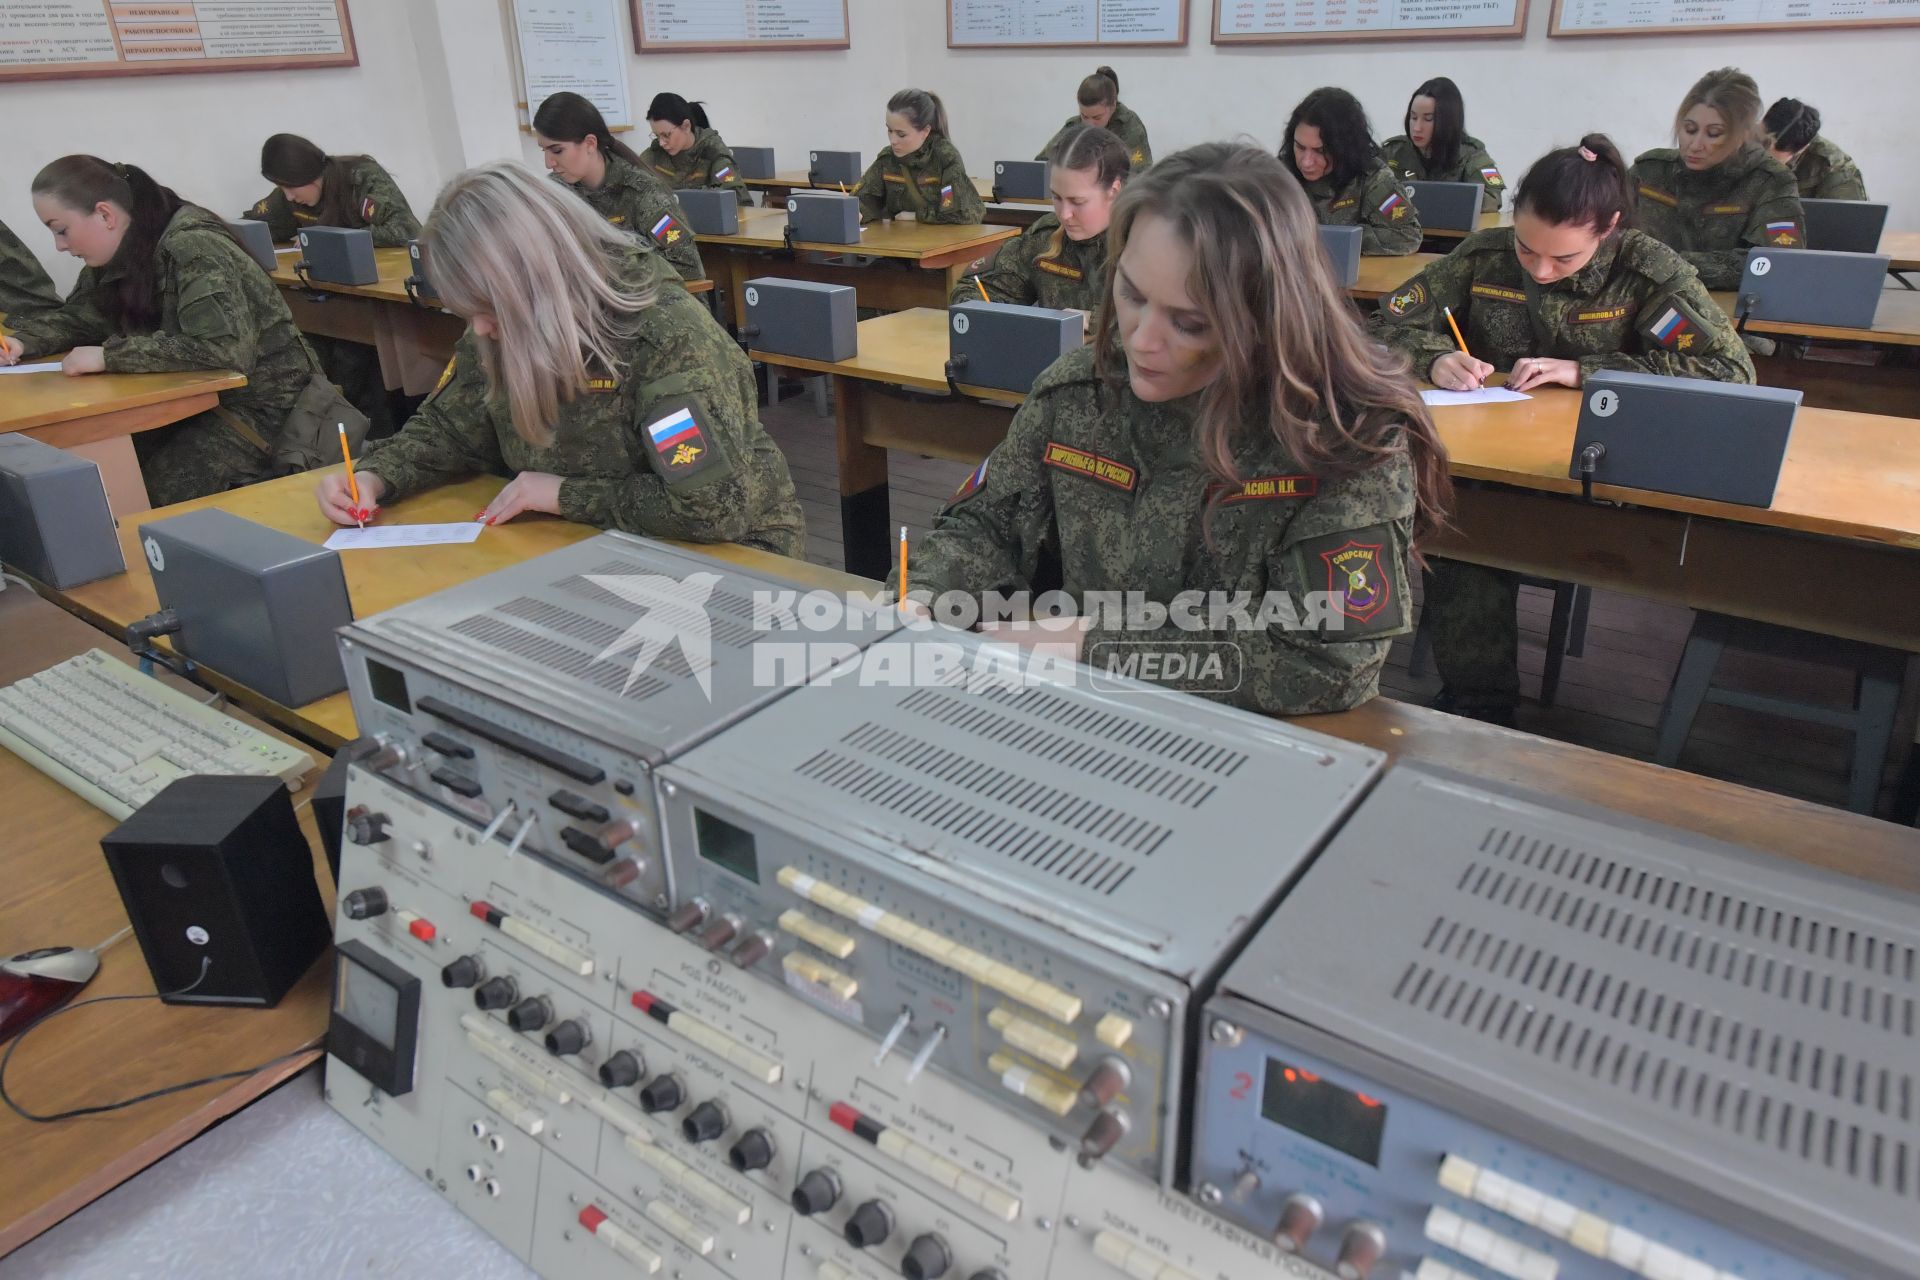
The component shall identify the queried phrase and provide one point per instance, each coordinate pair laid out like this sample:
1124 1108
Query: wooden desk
1896 321
939 255
59 893
1381 276
376 580
97 415
1903 247
1489 218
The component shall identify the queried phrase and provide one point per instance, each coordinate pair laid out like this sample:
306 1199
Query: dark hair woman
1329 147
1436 146
582 153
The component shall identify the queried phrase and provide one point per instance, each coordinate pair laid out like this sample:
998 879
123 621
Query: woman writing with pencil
606 390
919 172
1565 291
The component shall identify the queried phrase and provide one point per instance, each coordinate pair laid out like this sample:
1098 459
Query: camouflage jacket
668 445
1124 125
24 286
634 200
1824 172
1715 216
1110 488
931 184
1042 267
218 310
1474 165
1376 203
377 205
1637 306
707 163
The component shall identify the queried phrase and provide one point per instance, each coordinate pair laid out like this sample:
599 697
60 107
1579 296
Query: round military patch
1407 300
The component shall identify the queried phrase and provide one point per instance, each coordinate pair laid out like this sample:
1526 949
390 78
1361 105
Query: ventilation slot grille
1134 772
1130 732
1624 1063
736 632
1611 877
986 828
547 652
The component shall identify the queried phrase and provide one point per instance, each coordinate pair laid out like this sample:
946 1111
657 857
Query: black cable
24 1114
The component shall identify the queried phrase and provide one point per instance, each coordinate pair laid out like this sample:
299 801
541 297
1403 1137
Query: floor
1609 698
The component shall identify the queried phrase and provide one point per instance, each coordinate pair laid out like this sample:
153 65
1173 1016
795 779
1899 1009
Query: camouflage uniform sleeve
1700 343
967 207
213 328
1412 319
1350 545
451 437
1054 141
724 172
1009 278
990 535
80 321
273 209
383 208
1843 181
1480 168
1387 230
24 286
1775 219
872 191
661 217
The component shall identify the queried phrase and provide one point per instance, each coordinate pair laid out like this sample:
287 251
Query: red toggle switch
423 930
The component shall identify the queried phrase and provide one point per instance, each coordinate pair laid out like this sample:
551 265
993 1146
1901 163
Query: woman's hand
11 349
84 360
336 498
528 491
1538 371
1458 371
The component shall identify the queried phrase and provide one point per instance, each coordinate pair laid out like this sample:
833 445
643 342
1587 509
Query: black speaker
330 803
215 872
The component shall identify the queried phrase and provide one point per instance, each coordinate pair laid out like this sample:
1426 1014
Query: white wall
1523 97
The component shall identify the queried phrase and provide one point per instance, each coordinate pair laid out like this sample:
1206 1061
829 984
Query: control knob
817 1192
1300 1216
870 1225
364 904
622 1069
1363 1246
568 1037
495 993
754 1151
530 1014
928 1258
462 972
705 1123
366 828
662 1093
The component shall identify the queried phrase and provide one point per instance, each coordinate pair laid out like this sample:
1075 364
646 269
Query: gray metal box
257 239
1581 1032
55 524
1022 180
835 168
754 162
822 217
710 213
1342 246
1715 440
1813 286
337 255
999 345
1446 206
1845 226
257 605
802 318
419 282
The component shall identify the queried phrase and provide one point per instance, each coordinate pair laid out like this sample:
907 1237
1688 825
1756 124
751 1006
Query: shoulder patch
1500 292
1078 461
1407 300
973 484
724 172
668 231
946 196
1394 207
366 209
1361 569
1491 176
1658 196
1138 156
1674 327
1785 233
1266 489
677 440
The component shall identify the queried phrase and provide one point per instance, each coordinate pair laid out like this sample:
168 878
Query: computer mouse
35 983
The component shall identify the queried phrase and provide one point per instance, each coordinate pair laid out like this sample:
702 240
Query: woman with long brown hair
1231 432
582 152
314 189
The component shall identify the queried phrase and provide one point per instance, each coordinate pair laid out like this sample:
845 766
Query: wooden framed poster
1306 21
1061 24
1674 17
716 26
71 39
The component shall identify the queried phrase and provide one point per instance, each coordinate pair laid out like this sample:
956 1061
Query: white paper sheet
49 367
376 537
1485 395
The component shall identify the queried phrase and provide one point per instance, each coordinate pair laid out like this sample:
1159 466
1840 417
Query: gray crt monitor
55 524
1004 346
1342 245
823 217
1813 286
710 212
1715 440
1447 206
1845 226
801 318
338 255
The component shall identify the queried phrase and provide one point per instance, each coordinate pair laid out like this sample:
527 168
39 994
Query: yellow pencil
1455 326
903 566
982 288
353 486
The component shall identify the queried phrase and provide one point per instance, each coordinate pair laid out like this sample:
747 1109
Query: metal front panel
1705 1049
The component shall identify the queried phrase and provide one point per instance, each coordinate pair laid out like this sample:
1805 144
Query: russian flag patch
1783 233
723 174
946 196
1491 176
973 483
1672 329
666 220
1395 206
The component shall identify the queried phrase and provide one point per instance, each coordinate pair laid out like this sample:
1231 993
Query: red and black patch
1081 463
1357 573
1408 300
1361 572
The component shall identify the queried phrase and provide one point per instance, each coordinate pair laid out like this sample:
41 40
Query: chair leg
1577 622
1557 622
1877 703
1689 691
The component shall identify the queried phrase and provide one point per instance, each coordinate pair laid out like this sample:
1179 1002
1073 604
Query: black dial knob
870 1225
817 1192
754 1151
568 1037
705 1122
462 972
622 1069
530 1014
364 904
495 993
662 1093
928 1258
367 828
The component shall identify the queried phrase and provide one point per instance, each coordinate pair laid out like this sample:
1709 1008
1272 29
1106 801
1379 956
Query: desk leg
865 508
738 272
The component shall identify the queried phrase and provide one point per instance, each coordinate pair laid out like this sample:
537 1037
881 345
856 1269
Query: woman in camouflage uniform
1566 291
1436 146
919 171
314 189
686 151
1100 107
1329 147
1820 168
167 287
582 153
607 391
1061 260
24 285
1231 431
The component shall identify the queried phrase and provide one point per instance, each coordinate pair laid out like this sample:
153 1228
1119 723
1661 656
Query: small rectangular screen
727 846
368 1001
1347 1121
388 686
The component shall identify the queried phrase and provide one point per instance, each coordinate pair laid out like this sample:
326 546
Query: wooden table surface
1381 276
916 241
1903 247
60 893
62 410
797 180
1489 219
394 266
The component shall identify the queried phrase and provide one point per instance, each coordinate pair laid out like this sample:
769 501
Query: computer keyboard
115 737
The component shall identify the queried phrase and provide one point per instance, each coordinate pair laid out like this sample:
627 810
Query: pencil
1455 326
982 288
353 486
903 566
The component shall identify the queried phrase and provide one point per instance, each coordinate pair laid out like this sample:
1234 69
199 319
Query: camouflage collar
1588 279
